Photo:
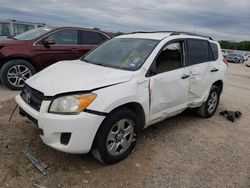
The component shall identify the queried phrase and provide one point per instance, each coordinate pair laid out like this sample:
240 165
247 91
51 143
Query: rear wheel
208 108
116 137
14 73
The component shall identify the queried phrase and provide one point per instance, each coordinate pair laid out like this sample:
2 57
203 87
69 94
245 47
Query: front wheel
116 137
14 73
208 108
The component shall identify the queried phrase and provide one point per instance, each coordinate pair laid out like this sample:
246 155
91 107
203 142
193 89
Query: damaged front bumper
67 133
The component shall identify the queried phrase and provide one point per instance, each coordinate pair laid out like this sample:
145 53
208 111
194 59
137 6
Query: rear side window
91 38
4 29
198 51
214 49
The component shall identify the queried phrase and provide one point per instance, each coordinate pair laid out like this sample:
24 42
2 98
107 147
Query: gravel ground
183 151
6 94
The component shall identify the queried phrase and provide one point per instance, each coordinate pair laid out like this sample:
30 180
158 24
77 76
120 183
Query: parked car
245 56
101 102
235 58
10 28
27 53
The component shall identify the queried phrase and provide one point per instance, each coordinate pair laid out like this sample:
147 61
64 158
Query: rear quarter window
214 49
198 51
91 38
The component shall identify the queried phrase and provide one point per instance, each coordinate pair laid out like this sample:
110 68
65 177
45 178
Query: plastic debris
231 115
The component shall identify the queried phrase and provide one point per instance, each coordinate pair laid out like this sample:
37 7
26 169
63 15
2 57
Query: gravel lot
183 151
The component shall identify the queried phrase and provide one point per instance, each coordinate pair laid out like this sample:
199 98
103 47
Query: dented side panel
200 80
168 93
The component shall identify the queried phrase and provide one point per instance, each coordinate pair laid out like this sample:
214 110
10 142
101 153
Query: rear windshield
32 34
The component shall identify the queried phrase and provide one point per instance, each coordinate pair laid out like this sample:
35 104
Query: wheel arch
134 107
219 84
25 58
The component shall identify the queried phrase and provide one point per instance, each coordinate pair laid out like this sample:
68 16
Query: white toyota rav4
101 102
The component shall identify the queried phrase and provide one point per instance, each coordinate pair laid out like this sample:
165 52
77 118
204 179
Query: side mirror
49 42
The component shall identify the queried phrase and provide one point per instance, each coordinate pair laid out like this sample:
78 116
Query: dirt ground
183 151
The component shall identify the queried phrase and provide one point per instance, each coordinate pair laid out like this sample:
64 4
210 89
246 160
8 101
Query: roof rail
152 32
191 34
174 33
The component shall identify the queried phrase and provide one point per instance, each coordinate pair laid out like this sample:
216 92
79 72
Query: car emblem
27 97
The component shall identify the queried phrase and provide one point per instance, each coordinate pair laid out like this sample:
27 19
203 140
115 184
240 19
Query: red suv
25 54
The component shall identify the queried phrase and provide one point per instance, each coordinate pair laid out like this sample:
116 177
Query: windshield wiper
106 65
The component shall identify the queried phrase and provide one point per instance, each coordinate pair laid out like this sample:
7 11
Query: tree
243 45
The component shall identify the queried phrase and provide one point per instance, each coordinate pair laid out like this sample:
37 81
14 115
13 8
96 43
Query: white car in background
246 56
101 102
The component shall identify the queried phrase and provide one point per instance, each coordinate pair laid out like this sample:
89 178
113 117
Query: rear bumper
79 129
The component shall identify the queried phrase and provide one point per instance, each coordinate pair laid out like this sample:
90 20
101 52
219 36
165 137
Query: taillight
225 61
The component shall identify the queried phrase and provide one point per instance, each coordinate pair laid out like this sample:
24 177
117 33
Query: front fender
115 96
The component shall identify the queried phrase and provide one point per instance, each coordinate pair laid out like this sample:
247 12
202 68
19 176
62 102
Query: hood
72 76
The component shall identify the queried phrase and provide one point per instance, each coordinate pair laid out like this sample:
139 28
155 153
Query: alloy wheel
212 102
18 74
120 137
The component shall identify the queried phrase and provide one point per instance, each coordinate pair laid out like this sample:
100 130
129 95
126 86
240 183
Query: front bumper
82 127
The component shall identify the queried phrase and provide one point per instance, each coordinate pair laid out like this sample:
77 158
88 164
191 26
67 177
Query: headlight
72 104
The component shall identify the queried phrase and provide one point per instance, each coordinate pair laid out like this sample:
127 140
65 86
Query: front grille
32 97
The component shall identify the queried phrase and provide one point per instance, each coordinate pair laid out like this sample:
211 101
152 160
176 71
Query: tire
207 110
14 73
105 140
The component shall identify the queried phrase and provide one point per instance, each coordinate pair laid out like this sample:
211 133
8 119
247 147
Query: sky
221 19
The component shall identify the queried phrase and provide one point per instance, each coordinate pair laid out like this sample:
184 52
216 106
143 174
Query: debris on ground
42 167
39 186
231 115
87 172
137 165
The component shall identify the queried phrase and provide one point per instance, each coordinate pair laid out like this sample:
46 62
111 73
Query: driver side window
170 58
64 37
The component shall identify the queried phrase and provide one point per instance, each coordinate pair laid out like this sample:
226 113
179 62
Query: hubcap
212 102
120 137
18 74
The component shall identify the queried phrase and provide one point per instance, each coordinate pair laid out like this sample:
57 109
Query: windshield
32 34
4 29
122 53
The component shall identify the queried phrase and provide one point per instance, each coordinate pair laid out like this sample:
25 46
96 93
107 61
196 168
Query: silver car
10 28
235 58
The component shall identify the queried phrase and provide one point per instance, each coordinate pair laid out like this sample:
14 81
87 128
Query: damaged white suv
101 102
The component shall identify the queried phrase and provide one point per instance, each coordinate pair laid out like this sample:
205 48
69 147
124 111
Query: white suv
101 102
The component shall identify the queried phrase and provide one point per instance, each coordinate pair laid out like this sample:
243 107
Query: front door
65 47
169 87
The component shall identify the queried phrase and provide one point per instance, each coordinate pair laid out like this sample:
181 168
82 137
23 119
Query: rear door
65 47
89 40
199 64
169 87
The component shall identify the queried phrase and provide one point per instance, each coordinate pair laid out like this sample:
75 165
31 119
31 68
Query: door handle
214 70
184 76
74 49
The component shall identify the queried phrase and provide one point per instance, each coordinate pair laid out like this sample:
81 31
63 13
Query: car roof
159 35
109 34
154 36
